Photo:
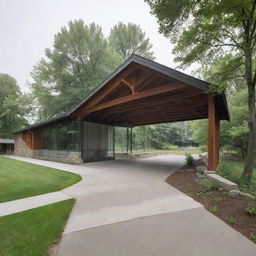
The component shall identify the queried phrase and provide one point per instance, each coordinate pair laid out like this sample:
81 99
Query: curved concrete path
124 208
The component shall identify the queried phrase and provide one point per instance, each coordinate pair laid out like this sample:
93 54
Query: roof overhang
141 92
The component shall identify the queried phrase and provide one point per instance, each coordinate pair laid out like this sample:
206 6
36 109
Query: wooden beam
105 92
131 86
162 110
173 99
140 95
154 117
164 120
139 85
213 135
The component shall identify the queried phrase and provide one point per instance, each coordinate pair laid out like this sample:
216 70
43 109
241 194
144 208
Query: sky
28 27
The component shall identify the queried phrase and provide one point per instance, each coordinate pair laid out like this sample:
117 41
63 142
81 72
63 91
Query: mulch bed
230 210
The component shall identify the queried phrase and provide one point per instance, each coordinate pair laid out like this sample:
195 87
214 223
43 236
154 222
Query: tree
14 106
129 39
235 133
199 130
80 59
204 31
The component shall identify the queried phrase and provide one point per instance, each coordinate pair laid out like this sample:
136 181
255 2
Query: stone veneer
21 149
73 157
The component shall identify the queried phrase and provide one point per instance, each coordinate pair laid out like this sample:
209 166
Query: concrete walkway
28 203
125 208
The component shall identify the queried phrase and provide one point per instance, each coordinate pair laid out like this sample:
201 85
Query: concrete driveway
124 208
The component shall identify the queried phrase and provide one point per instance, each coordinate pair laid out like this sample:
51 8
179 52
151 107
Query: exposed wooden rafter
140 95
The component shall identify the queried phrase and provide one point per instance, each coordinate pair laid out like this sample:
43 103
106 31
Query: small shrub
226 193
217 199
251 209
190 160
173 147
253 237
204 194
232 220
189 188
214 209
208 185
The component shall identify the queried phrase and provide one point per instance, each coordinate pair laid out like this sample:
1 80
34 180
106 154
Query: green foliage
214 209
217 199
190 160
199 130
153 137
253 237
208 185
203 148
33 232
251 209
220 35
234 134
80 59
232 220
14 106
20 179
204 194
172 147
129 39
231 169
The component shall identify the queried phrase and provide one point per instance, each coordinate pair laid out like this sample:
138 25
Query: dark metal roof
6 141
198 83
44 123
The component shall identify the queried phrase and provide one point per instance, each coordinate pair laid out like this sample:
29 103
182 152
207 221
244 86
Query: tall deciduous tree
13 105
205 30
80 59
129 39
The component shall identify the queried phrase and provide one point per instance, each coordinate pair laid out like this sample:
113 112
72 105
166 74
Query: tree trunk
251 148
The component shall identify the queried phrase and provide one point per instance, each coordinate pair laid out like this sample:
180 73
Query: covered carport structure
142 92
139 92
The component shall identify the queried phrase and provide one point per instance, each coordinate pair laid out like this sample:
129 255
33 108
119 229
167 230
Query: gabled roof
141 64
134 58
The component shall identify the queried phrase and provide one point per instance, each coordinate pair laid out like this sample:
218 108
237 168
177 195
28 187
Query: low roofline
43 123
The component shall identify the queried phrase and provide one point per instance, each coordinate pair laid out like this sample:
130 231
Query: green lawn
32 232
232 170
20 179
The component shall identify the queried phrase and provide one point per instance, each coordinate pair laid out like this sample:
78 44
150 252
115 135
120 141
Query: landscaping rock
234 193
200 175
226 184
201 168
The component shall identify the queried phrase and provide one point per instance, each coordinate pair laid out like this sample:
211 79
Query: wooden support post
213 135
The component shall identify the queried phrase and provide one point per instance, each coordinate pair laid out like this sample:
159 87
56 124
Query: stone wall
73 157
20 147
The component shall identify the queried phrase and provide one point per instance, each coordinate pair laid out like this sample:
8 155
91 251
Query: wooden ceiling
139 95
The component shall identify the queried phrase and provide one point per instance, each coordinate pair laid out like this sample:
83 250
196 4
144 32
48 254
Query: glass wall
98 142
62 136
